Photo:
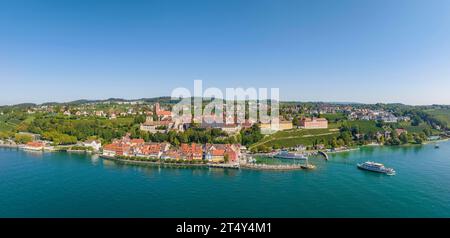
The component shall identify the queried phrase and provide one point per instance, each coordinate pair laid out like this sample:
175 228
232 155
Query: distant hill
168 100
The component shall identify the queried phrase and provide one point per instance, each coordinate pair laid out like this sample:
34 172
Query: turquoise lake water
73 185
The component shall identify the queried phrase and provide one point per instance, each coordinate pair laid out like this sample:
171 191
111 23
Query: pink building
314 123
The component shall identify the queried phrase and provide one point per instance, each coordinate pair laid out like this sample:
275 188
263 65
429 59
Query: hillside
440 114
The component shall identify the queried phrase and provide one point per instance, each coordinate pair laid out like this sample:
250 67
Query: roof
172 153
115 147
137 141
152 148
218 152
35 144
194 149
157 123
314 119
164 113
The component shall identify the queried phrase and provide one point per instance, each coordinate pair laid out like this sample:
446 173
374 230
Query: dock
324 154
224 166
277 167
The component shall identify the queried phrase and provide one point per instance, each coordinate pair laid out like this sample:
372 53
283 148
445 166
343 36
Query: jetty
325 155
277 166
224 166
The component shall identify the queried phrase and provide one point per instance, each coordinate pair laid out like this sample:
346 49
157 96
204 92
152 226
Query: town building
162 114
34 146
94 144
314 123
156 126
400 131
285 125
116 149
171 154
217 153
272 125
152 150
122 147
192 151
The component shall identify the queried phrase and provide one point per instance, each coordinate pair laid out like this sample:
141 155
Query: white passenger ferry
376 167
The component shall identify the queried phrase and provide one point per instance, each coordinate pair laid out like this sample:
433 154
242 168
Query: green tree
226 158
404 138
22 139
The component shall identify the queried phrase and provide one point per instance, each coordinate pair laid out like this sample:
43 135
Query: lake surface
34 184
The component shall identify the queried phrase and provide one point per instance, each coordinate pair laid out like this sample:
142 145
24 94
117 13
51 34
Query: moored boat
287 155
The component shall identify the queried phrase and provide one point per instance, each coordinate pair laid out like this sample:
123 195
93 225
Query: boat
284 154
251 160
436 146
376 167
308 166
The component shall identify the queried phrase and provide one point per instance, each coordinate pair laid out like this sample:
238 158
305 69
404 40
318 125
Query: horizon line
169 97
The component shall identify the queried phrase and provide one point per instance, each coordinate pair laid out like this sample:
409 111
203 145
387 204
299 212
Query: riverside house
171 154
152 150
34 146
122 147
116 149
217 153
192 151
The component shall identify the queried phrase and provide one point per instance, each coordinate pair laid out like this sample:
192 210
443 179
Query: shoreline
9 146
221 166
261 167
137 162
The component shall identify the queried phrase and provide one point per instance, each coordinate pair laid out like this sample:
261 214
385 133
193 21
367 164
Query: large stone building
314 123
281 126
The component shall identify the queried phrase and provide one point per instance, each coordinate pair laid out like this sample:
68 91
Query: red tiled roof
193 149
175 154
118 148
35 144
164 113
218 152
137 141
153 148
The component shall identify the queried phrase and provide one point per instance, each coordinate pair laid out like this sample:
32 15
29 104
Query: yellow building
283 125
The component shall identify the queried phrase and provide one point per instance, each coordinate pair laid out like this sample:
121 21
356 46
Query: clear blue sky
335 50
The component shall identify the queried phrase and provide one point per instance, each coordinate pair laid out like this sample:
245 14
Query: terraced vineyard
6 125
295 137
441 114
